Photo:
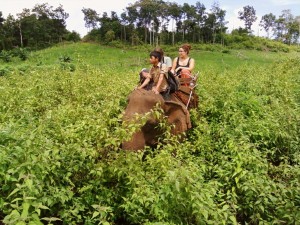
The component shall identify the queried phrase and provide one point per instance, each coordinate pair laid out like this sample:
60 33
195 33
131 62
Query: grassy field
61 128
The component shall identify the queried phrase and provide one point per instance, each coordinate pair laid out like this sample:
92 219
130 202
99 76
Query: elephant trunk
137 142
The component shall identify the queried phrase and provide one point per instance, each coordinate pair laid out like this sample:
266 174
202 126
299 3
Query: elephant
141 101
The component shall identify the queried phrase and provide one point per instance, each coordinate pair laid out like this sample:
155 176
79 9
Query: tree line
156 21
39 27
143 22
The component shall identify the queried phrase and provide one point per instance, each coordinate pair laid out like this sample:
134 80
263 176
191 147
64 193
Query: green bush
5 56
61 163
4 70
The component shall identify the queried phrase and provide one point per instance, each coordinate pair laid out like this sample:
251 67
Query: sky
76 22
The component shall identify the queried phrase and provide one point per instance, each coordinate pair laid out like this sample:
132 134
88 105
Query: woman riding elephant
183 65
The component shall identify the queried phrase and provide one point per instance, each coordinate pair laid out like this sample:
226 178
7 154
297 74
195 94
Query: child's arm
157 87
144 84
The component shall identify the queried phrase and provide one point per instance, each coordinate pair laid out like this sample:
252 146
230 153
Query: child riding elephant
157 76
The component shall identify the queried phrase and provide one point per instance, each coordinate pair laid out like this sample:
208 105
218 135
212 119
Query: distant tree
297 20
60 14
1 31
21 18
187 12
267 22
294 30
1 19
279 29
214 24
249 16
175 13
290 26
110 25
239 31
200 17
124 22
59 17
219 20
10 39
191 23
286 29
91 18
73 36
149 16
162 25
51 23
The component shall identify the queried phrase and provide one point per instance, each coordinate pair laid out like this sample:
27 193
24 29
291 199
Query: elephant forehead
145 96
141 102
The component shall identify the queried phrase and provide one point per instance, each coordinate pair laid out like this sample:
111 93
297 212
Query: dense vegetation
60 131
153 22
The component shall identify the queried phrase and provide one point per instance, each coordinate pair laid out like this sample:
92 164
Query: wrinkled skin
141 102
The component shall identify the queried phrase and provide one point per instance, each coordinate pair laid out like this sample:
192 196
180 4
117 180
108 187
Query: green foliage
72 36
65 63
5 56
60 134
4 70
22 53
110 36
243 41
9 56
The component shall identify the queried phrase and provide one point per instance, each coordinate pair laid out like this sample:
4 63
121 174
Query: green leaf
20 223
26 206
95 214
177 186
13 192
36 219
225 207
233 219
205 214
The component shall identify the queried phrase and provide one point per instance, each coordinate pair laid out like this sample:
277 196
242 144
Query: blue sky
76 22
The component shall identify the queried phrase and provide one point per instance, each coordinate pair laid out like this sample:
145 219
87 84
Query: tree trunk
21 36
173 33
146 33
124 33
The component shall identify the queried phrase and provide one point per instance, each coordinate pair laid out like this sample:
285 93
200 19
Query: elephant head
140 102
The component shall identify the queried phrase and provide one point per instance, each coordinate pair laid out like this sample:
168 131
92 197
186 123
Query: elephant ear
178 115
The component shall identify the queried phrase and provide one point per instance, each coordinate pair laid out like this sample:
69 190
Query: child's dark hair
155 54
